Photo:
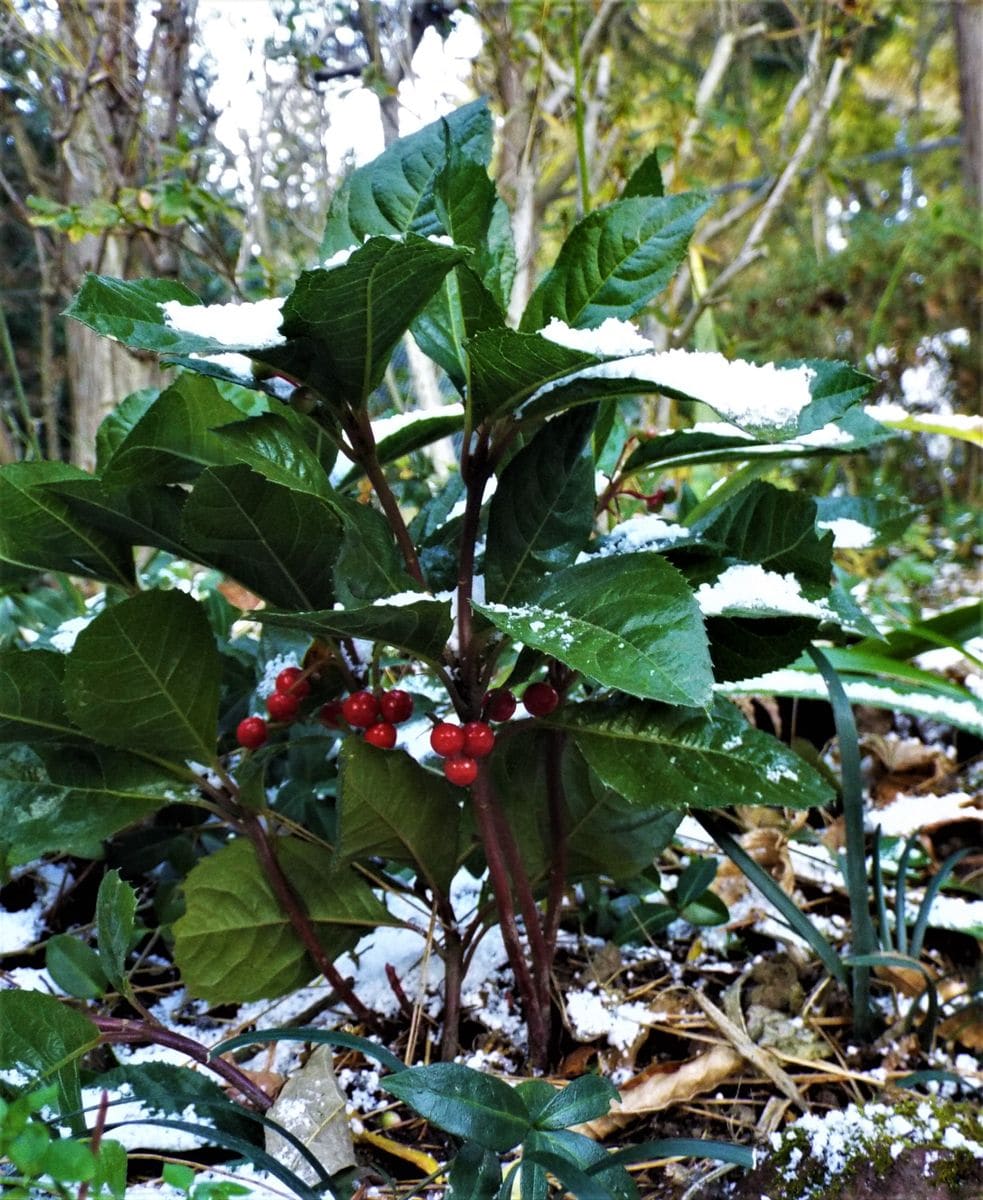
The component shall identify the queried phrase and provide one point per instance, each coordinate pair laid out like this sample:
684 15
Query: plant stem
476 468
453 953
556 802
29 432
535 1022
127 1032
359 430
294 911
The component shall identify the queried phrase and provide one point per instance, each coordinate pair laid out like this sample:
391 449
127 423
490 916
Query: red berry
499 705
461 771
282 706
396 706
330 714
539 699
360 709
251 733
447 739
292 681
382 734
479 739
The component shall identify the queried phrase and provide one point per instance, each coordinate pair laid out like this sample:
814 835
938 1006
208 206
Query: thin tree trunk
968 20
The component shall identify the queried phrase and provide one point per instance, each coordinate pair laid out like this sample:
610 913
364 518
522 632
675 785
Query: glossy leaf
395 192
646 179
277 541
581 1100
77 798
273 448
353 315
464 1102
629 623
507 368
136 516
776 528
144 676
421 627
615 261
31 705
391 807
39 530
116 904
661 757
129 312
542 512
885 519
117 423
474 1174
40 1035
174 440
369 565
234 942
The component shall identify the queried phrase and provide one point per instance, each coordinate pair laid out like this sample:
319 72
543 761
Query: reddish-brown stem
119 1030
497 874
478 470
541 961
453 956
97 1131
359 430
405 1007
556 803
299 920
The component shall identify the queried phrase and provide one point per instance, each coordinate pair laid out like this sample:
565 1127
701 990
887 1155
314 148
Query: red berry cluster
461 746
378 715
283 704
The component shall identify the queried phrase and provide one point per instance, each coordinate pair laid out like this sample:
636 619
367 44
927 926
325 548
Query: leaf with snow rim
629 623
658 756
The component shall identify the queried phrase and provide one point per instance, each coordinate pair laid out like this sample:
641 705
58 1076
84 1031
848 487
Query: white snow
612 338
339 258
593 1014
63 639
848 534
18 930
644 532
240 365
400 599
749 588
385 427
254 325
909 812
749 394
967 714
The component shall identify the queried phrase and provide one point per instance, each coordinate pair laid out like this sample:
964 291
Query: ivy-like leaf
628 622
39 530
542 512
661 757
144 676
392 807
615 261
234 942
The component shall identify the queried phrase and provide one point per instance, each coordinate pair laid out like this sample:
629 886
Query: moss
818 1158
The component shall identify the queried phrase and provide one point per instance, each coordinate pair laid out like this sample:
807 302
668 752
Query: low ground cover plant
517 667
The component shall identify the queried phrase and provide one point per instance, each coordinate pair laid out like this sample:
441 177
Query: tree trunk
968 20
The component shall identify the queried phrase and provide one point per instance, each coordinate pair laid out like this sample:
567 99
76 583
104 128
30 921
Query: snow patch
612 338
749 588
254 325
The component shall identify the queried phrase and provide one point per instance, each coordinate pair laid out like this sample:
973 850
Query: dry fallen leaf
668 1084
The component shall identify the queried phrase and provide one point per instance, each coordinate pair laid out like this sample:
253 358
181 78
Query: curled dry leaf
667 1084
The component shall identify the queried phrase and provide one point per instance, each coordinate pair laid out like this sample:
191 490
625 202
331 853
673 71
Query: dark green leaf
743 1156
83 797
274 448
39 1034
744 646
391 807
395 192
474 1174
643 922
31 705
317 1037
705 910
628 622
646 179
353 315
694 880
369 565
117 424
463 1102
75 967
116 906
277 541
138 516
234 942
615 261
543 509
507 368
421 627
144 676
886 519
573 1179
835 387
131 313
39 530
583 1099
168 1090
461 308
776 528
174 438
661 757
